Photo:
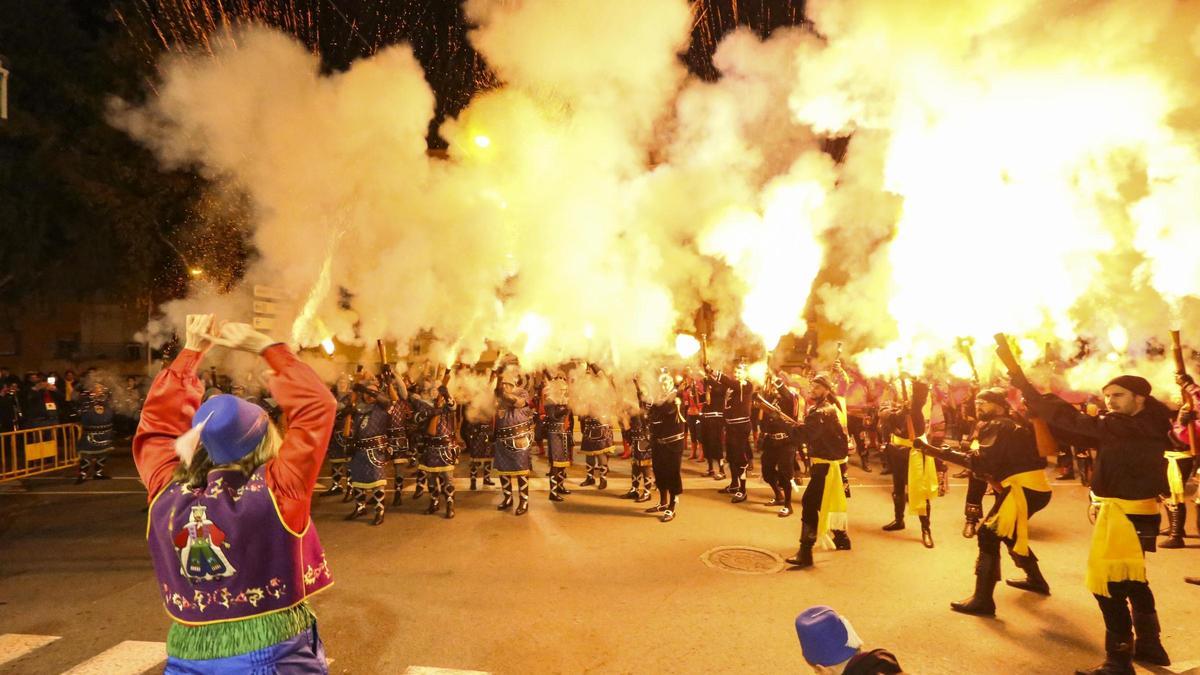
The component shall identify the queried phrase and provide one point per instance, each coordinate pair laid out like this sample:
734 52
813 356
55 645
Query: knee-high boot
898 512
987 574
1033 581
474 474
523 488
507 491
377 497
448 492
808 538
398 496
437 483
360 503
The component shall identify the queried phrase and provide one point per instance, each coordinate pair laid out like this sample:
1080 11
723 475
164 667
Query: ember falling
1020 167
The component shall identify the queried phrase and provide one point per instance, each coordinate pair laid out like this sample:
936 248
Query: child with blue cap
831 647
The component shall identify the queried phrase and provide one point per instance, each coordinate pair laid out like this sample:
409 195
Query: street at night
592 585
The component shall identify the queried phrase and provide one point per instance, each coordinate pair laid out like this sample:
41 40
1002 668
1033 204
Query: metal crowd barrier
28 452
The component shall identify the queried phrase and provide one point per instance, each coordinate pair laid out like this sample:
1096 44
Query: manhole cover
743 560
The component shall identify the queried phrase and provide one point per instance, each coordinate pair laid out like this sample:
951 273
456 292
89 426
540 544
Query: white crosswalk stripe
14 645
130 657
427 670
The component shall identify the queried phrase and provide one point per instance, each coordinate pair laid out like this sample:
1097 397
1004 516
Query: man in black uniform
1130 473
1006 455
901 425
96 417
739 397
779 443
668 432
712 425
823 506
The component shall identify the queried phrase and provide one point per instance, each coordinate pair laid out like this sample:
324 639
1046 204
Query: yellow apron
1012 518
922 477
834 510
1116 553
1175 477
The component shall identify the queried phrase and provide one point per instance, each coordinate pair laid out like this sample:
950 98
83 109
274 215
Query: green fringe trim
230 638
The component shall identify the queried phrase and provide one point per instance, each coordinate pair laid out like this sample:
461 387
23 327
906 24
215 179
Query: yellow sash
1012 518
922 477
1175 474
833 514
1116 554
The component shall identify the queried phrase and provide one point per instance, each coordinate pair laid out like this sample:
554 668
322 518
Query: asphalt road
592 585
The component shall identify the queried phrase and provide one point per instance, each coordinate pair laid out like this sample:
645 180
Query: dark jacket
1129 449
874 662
823 433
1005 449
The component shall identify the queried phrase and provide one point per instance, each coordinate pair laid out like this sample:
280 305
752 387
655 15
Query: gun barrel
1177 352
763 403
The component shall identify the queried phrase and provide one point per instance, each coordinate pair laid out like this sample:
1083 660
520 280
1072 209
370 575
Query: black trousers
989 541
778 461
897 457
810 503
1131 594
712 437
976 489
737 445
666 461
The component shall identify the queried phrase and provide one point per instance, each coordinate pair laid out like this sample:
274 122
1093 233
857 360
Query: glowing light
327 345
536 330
757 372
482 141
1118 337
961 369
686 345
196 272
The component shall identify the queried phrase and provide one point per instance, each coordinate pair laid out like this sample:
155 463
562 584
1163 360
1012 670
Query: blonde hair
195 475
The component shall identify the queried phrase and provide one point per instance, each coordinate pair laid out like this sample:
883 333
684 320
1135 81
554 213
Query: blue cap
825 637
233 428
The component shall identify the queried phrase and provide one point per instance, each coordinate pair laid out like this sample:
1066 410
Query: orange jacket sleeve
310 409
166 415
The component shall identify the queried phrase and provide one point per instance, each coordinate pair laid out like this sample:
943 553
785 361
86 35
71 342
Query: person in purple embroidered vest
234 548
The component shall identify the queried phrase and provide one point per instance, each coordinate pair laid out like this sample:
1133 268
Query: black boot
1175 520
1033 582
590 480
422 480
841 540
803 557
1147 647
926 532
720 470
562 482
333 489
555 482
360 505
398 495
898 509
602 482
506 490
474 475
987 573
449 498
523 493
1118 657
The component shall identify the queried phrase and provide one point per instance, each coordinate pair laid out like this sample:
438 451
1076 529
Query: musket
348 427
1177 352
704 350
763 403
385 371
1047 445
947 454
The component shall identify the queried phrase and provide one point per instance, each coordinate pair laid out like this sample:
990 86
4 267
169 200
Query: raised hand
198 335
243 336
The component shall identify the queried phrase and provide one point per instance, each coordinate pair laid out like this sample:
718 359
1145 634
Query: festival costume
1130 473
824 514
641 483
738 401
668 435
514 430
96 417
712 425
371 452
596 447
237 558
338 451
558 450
779 447
439 449
481 450
914 474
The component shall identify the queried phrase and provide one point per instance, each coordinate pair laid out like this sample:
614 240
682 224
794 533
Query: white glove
198 336
243 336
